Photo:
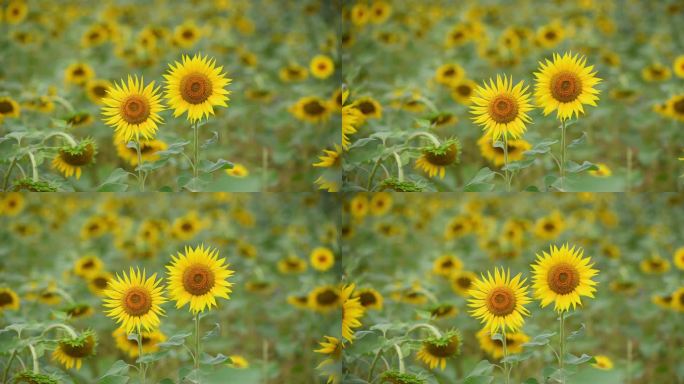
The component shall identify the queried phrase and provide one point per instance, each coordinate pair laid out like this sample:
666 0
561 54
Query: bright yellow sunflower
71 351
9 300
678 66
9 108
498 301
134 301
434 351
501 108
330 158
562 276
133 109
352 312
195 86
198 277
322 259
149 342
565 84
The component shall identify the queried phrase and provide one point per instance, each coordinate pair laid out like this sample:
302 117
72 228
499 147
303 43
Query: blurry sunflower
360 14
322 66
71 351
292 73
674 107
434 159
494 347
678 66
678 300
8 108
78 310
87 266
369 107
656 72
9 300
237 361
97 90
133 109
501 108
186 35
195 86
624 287
322 259
99 281
324 298
79 119
562 277
78 73
134 301
411 295
148 151
380 203
311 109
186 227
602 171
258 94
95 35
448 74
369 298
516 150
11 204
550 35
549 227
380 11
49 295
149 342
446 265
443 311
70 159
352 312
654 265
238 170
198 277
332 348
352 118
499 301
291 265
603 362
462 91
457 227
16 11
299 301
678 258
610 250
664 302
330 158
458 35
327 185
435 350
565 84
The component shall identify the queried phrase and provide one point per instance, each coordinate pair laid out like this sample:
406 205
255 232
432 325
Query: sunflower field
203 95
499 288
558 95
254 273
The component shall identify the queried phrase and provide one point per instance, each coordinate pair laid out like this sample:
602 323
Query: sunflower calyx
396 377
447 153
30 377
448 345
80 154
27 184
394 184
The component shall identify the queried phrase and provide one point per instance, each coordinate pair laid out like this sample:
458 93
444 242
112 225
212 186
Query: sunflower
457 227
565 84
149 341
78 310
195 86
237 361
299 301
11 204
380 203
603 362
322 259
550 35
198 277
501 108
448 74
291 265
134 301
352 118
499 301
332 348
8 108
70 159
324 298
678 66
678 300
148 150
516 150
330 158
369 298
435 158
99 281
9 300
16 12
79 119
133 109
678 258
352 312
311 109
186 227
413 294
369 107
292 73
664 302
562 276
322 66
435 350
78 73
656 72
360 14
327 185
494 347
97 90
186 35
71 351
462 91
87 266
549 227
446 265
443 311
674 107
359 206
655 265
602 171
95 35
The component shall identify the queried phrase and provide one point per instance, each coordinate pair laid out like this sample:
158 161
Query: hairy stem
195 169
197 341
7 368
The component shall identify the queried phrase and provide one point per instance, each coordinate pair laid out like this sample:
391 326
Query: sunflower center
137 301
441 159
100 91
439 350
6 107
501 301
566 87
681 299
503 109
679 106
463 282
366 107
327 297
563 278
88 264
83 157
464 90
314 108
135 109
367 298
79 351
5 298
100 282
195 88
198 280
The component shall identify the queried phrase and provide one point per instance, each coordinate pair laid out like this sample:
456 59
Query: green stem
508 177
65 327
141 180
264 169
400 356
34 167
399 169
195 169
429 327
8 173
197 341
373 364
142 369
66 136
561 358
563 155
372 175
7 368
36 367
430 136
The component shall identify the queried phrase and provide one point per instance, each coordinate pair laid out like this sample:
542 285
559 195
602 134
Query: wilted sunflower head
435 350
72 350
435 158
70 159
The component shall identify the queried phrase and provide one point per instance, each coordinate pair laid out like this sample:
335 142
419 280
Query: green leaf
482 368
575 360
213 360
578 333
176 340
516 358
173 149
478 380
119 367
542 339
115 182
578 141
518 165
543 146
216 331
207 166
150 357
480 182
116 379
573 167
211 141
